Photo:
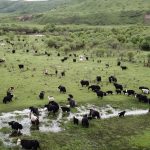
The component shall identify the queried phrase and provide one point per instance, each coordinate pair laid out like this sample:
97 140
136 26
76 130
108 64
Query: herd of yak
53 107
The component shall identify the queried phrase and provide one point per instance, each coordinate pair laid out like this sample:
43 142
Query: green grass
142 139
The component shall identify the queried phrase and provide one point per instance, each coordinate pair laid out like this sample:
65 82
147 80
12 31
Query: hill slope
95 12
99 12
22 6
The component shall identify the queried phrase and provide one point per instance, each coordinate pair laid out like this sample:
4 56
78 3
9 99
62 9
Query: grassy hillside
99 12
95 12
29 7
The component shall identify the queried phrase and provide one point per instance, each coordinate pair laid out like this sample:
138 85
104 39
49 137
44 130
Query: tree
50 27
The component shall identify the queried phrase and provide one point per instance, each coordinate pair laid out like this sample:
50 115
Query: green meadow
108 44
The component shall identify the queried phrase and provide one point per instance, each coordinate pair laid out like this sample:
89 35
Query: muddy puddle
54 123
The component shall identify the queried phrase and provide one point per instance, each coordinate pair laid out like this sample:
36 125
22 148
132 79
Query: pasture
130 132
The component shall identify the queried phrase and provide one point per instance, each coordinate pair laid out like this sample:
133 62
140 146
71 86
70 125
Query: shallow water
46 124
105 112
53 123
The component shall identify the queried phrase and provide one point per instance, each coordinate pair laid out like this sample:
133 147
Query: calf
41 95
98 79
65 109
62 89
121 114
63 73
123 67
13 51
74 60
112 79
72 102
118 63
21 66
75 120
28 144
109 92
118 91
85 121
84 83
94 114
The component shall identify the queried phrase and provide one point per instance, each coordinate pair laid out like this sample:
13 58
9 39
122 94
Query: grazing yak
143 87
7 98
70 95
72 102
118 86
94 114
34 119
98 78
100 94
51 108
118 91
34 110
2 60
74 60
85 121
63 73
65 109
84 83
65 58
142 98
129 92
121 114
15 126
62 89
118 63
13 51
123 67
109 92
94 88
21 66
54 103
28 144
75 120
112 79
41 95
56 72
145 91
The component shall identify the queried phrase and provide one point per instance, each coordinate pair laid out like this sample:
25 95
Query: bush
145 46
